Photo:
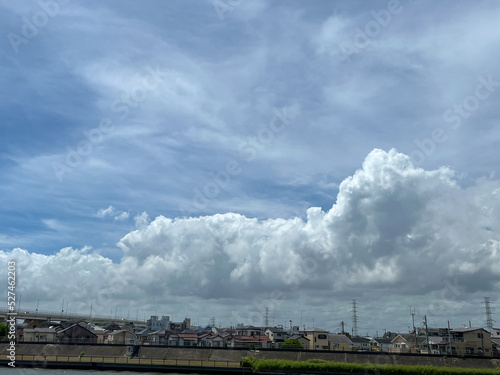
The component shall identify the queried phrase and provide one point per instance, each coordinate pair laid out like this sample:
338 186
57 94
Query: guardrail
124 360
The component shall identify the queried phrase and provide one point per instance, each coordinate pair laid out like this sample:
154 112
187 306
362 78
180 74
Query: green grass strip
365 368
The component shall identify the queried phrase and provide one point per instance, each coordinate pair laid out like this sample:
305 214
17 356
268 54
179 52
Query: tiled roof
188 335
468 329
297 336
313 329
360 339
436 340
261 338
339 339
383 341
40 330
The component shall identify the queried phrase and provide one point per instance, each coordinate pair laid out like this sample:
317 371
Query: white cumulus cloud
394 229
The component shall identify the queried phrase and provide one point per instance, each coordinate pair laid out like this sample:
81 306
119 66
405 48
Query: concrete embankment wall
214 354
377 358
66 350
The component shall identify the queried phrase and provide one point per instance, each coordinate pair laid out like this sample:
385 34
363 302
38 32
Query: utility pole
449 338
412 313
427 335
266 317
342 325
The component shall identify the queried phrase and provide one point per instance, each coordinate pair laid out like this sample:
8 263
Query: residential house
213 341
39 334
241 330
121 337
144 336
435 345
155 324
471 341
339 342
302 339
76 334
318 338
256 342
495 344
180 326
277 336
381 344
185 339
100 332
495 334
39 324
360 344
159 337
406 343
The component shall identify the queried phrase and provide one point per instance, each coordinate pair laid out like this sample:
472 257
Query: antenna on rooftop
354 318
212 322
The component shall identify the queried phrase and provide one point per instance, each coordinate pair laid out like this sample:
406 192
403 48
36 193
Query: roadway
64 316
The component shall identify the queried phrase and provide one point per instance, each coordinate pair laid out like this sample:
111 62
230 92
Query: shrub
360 368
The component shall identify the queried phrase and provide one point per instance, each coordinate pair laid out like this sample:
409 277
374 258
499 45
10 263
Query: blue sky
202 134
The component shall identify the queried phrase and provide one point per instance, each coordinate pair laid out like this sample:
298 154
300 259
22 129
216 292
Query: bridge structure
64 316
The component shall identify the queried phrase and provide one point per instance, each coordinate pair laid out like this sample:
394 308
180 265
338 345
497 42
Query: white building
156 324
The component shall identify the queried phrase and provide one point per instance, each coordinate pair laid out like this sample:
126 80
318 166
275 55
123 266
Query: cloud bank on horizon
394 229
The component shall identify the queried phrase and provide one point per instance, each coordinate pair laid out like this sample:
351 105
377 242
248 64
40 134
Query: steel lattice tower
489 314
354 318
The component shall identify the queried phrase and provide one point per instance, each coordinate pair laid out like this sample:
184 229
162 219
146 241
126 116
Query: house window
322 337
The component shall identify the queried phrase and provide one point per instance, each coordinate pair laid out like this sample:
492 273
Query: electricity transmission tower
354 318
489 314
